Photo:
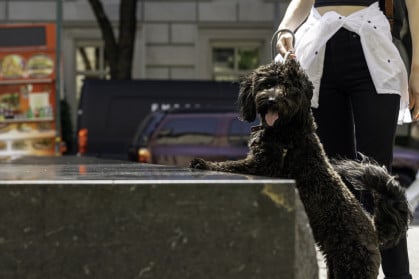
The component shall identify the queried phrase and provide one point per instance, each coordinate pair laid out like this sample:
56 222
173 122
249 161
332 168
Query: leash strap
389 11
274 40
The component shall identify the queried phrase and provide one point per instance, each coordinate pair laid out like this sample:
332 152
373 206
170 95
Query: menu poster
27 125
27 91
16 66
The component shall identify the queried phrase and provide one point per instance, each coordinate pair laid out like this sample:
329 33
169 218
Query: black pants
352 118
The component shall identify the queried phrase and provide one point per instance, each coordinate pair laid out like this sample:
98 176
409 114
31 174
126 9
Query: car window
239 132
146 127
196 130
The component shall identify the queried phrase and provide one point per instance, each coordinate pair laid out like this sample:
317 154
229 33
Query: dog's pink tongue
271 117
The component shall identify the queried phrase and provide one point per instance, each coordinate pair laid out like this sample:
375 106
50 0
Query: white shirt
387 69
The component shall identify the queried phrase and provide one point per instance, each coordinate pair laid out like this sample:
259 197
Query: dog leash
275 39
284 154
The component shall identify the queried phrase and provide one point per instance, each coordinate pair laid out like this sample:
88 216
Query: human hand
414 92
285 44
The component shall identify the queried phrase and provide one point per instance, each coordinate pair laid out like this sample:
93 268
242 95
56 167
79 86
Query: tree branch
107 33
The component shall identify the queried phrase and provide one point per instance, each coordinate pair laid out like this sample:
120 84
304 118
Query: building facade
175 39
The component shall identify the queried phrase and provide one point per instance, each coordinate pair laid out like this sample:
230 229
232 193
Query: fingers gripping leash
274 41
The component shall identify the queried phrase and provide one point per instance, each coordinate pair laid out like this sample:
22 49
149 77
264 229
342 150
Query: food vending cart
27 90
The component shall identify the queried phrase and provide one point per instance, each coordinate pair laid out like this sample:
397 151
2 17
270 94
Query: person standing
361 86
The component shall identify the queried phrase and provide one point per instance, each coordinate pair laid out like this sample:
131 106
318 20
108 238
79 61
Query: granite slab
90 218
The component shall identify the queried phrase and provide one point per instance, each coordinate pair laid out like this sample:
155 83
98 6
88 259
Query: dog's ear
246 99
293 70
296 73
308 88
307 85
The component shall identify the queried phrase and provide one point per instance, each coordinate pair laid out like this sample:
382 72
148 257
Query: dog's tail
392 214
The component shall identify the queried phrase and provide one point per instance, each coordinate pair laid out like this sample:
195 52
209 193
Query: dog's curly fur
286 145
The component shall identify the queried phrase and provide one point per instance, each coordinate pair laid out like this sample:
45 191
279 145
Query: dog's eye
268 86
270 83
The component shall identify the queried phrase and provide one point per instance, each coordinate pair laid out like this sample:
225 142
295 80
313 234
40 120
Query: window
90 62
229 61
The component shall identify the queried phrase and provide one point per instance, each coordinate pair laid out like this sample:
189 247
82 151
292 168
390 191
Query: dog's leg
245 166
355 264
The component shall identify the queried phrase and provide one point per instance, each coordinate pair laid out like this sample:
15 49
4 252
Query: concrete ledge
168 228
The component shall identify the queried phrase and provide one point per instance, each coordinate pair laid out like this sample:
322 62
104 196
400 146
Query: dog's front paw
198 163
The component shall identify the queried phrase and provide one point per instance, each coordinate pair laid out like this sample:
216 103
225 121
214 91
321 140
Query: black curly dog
286 145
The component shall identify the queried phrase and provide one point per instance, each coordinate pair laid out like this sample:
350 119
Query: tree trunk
119 54
127 31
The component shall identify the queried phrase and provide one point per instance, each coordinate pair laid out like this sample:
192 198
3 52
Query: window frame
208 34
101 73
236 46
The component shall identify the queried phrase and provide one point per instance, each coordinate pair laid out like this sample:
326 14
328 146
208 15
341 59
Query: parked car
138 150
175 137
109 109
